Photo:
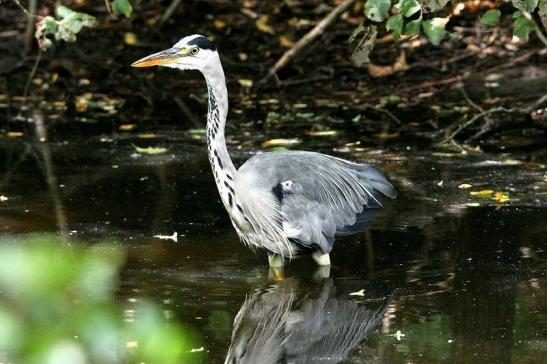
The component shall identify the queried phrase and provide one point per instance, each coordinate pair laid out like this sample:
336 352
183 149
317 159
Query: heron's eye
194 51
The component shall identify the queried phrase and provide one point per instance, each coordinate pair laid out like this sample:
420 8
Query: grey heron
290 202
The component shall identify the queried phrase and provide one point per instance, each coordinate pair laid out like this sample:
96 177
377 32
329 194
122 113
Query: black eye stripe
202 43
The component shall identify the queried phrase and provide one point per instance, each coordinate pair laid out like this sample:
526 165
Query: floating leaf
174 237
482 193
245 82
122 7
322 133
491 17
377 10
359 293
364 47
501 197
435 29
150 150
280 142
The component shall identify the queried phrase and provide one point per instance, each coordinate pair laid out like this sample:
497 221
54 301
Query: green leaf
377 10
434 5
525 5
434 28
360 29
412 28
395 24
522 27
122 7
491 17
410 7
542 12
364 47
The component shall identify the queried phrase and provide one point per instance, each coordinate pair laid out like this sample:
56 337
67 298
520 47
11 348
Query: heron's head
194 52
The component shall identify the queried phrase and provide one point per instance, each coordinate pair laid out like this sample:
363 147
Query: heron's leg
276 261
320 258
322 273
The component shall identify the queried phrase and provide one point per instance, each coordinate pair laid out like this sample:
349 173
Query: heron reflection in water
273 326
289 203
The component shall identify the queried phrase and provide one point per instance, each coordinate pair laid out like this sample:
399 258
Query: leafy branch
408 18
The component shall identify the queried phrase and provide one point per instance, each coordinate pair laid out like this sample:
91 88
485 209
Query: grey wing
319 196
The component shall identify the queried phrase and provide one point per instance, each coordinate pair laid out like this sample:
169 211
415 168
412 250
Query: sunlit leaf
122 7
542 12
377 10
395 24
434 5
435 29
525 5
412 27
491 17
522 27
410 7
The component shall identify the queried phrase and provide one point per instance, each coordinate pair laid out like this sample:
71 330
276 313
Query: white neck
221 164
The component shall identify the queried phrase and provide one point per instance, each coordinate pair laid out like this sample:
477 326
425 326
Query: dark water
444 276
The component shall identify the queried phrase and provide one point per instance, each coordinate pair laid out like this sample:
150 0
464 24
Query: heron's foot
276 261
276 274
320 258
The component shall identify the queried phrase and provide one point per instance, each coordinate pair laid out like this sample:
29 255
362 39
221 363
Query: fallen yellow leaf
150 150
127 127
280 142
501 197
481 193
262 24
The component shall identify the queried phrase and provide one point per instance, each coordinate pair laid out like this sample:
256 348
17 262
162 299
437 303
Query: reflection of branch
31 75
51 178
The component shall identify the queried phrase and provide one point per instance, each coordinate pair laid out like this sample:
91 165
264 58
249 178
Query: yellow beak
157 59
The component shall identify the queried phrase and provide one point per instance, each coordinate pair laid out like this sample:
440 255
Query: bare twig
475 119
29 31
384 111
169 12
537 29
108 6
307 39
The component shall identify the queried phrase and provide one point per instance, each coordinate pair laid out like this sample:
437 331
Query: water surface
442 275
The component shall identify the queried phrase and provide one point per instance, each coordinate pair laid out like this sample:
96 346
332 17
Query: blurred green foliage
57 306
